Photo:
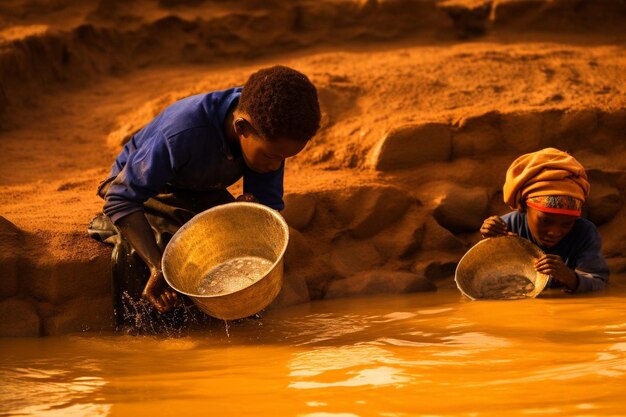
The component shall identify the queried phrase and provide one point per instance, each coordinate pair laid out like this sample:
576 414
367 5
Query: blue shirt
185 147
580 249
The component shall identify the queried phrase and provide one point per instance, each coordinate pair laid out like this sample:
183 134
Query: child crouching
547 190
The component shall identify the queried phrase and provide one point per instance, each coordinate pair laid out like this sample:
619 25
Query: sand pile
425 103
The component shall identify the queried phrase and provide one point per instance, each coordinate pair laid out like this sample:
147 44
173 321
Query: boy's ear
242 127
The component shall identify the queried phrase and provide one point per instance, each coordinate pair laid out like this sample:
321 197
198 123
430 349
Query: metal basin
217 243
500 268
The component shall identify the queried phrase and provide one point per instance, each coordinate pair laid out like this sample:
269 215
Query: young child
181 162
547 189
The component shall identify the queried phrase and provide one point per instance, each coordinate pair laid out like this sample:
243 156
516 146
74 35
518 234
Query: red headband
557 204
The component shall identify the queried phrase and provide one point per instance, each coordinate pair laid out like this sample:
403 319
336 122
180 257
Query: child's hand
554 266
495 226
159 294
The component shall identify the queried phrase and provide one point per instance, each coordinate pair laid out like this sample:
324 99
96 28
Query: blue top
581 250
185 147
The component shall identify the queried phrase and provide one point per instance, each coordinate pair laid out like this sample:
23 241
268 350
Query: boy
548 189
181 163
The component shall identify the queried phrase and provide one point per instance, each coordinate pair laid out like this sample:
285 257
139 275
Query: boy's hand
495 226
159 294
554 266
248 198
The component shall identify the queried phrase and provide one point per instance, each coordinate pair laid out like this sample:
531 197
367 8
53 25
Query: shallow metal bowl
222 234
500 268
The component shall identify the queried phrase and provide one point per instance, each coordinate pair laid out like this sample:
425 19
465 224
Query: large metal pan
217 243
500 268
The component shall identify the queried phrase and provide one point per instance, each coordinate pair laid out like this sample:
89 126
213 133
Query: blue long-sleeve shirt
581 250
185 147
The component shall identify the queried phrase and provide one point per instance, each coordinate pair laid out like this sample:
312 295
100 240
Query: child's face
264 156
548 228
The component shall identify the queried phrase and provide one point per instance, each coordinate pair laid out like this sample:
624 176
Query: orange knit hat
548 172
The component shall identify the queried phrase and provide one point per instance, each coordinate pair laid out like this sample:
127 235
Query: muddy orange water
423 354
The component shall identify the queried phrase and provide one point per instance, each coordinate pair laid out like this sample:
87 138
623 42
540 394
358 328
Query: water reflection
374 376
434 355
358 366
328 415
47 393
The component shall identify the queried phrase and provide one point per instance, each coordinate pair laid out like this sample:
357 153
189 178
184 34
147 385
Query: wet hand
248 198
554 266
159 294
495 226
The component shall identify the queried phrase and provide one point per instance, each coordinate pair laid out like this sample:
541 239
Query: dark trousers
166 213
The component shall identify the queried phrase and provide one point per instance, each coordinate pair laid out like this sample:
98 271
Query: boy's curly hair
282 103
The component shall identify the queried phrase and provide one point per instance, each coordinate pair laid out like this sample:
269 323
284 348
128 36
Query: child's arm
267 188
591 267
145 173
554 266
591 272
136 229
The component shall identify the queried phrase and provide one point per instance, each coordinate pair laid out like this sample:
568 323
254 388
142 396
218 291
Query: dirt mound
58 42
115 37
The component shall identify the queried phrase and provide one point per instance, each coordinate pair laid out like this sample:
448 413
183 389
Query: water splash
226 327
140 317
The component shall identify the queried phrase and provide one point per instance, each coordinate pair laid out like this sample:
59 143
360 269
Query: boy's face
548 228
264 156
